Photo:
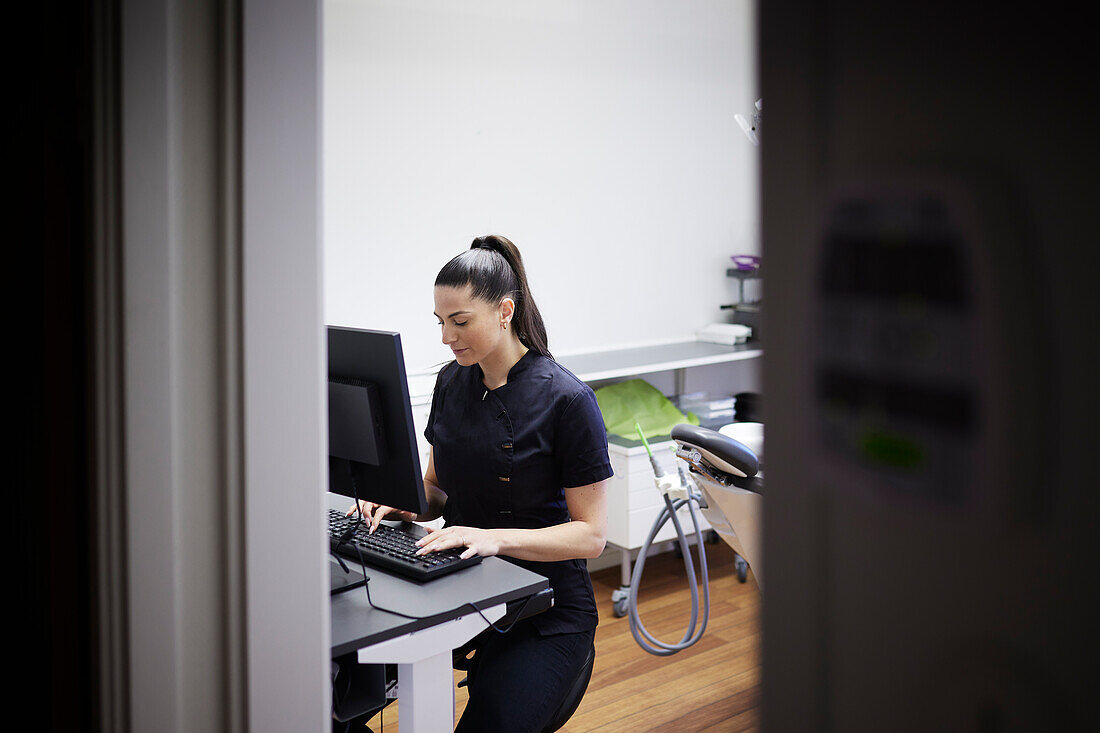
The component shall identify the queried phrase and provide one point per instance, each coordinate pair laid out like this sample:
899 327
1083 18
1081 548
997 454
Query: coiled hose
695 629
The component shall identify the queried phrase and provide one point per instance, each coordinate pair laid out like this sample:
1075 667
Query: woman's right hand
375 513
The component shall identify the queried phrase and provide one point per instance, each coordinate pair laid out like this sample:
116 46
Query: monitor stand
340 581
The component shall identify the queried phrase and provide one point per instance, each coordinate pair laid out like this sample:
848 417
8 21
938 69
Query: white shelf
630 362
627 362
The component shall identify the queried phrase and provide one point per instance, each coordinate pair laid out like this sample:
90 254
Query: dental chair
723 482
726 469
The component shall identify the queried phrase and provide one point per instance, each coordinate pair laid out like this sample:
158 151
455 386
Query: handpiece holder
667 484
714 455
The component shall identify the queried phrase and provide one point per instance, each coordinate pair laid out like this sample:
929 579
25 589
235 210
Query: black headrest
723 453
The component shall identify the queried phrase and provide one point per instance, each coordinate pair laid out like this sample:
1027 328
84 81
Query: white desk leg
426 694
425 683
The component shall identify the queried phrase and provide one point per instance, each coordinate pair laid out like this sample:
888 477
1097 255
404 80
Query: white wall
598 136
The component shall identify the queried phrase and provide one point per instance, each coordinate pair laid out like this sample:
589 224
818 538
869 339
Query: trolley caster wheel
742 568
620 600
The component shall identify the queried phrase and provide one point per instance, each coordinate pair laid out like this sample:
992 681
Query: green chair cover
636 400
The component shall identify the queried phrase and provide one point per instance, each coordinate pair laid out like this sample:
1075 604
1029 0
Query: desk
421 648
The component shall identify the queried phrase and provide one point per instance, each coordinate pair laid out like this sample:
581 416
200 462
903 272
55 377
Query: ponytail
493 269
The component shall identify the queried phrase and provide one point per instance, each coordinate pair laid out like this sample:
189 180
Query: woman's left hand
476 541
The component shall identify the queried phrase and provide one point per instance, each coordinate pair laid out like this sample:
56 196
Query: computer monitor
372 441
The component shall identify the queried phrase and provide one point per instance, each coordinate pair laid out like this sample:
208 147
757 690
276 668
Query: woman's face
471 327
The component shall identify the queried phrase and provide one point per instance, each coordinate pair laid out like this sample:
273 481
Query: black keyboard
393 549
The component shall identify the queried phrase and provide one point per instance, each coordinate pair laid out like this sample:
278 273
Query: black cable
519 615
343 565
363 564
359 552
471 604
360 519
366 579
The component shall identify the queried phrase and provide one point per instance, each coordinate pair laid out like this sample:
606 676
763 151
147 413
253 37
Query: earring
504 325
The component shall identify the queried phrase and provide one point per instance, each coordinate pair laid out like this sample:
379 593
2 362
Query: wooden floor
711 686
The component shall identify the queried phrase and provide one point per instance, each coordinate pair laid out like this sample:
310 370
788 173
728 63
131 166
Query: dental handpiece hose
658 471
695 630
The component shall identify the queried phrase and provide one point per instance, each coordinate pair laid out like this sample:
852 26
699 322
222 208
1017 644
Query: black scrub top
504 455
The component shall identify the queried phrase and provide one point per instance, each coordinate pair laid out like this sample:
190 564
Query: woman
518 468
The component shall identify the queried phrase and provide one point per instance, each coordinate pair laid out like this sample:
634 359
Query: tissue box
729 334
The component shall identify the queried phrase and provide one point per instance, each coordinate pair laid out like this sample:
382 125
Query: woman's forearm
584 536
568 541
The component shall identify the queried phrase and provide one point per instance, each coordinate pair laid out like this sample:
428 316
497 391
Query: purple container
746 262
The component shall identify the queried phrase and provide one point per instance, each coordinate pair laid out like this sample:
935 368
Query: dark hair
493 269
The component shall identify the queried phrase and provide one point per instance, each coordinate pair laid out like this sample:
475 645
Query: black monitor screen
372 441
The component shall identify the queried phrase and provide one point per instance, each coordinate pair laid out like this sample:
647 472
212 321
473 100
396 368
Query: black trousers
520 679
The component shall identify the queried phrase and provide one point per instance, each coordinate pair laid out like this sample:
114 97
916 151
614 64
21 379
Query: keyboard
393 549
